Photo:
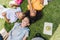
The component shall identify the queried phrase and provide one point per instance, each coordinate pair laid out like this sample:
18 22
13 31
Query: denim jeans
1 38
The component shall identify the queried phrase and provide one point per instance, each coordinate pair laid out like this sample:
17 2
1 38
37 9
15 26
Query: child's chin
24 25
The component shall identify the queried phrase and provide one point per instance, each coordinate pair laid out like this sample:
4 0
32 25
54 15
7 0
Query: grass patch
1 23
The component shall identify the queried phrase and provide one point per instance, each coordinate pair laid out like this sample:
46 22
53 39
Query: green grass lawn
56 35
1 23
51 13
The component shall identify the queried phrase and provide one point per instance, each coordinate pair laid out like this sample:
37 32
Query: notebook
48 28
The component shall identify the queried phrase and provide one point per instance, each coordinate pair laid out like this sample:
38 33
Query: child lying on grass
33 9
11 15
20 31
33 14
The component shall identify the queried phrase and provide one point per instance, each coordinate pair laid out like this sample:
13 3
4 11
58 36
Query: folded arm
32 10
42 2
4 14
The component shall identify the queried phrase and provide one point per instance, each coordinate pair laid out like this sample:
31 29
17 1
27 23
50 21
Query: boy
11 15
20 31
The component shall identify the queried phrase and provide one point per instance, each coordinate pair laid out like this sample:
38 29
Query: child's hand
29 1
20 15
4 14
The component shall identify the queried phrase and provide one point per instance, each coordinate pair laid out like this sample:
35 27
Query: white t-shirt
1 9
11 14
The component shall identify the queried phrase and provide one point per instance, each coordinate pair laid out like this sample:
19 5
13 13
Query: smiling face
25 22
20 15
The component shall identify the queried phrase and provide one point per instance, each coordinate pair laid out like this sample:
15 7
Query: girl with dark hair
34 13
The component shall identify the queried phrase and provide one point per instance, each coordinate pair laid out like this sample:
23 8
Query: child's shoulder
17 23
18 9
27 29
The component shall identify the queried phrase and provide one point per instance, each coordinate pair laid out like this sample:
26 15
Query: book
48 28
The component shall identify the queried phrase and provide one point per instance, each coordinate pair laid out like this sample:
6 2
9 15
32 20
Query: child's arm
25 38
42 2
31 9
7 35
26 35
4 14
29 2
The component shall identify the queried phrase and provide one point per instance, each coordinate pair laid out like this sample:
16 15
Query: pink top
18 1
